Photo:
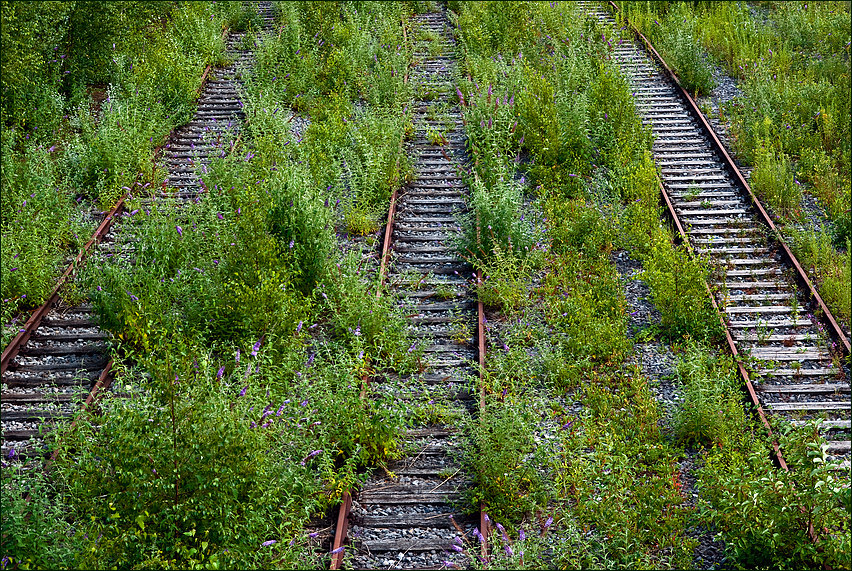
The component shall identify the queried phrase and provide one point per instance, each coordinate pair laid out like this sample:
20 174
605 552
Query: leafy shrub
830 267
765 514
677 283
584 302
622 477
501 460
685 54
495 223
302 226
711 411
33 224
773 180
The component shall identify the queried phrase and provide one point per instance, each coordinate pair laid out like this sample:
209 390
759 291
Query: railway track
772 315
408 517
60 360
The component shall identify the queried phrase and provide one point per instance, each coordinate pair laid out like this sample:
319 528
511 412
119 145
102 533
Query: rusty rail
728 337
11 350
835 330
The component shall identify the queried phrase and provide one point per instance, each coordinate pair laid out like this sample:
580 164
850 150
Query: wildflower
548 522
457 548
281 408
238 356
522 536
508 549
313 534
338 550
299 327
268 543
502 531
179 230
11 453
256 347
220 372
478 535
243 392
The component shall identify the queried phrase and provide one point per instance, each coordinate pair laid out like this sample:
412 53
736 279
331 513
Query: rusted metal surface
801 275
14 347
341 531
756 306
732 346
432 282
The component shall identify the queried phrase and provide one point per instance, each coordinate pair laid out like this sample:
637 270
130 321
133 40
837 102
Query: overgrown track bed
407 517
61 360
792 348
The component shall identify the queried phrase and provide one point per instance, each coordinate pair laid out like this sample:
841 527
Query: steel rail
344 511
342 525
14 346
801 277
11 350
728 337
835 330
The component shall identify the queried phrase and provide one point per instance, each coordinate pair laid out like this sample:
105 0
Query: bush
678 288
501 459
685 54
496 222
765 514
711 413
773 180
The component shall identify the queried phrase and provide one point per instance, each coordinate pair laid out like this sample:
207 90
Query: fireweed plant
246 336
792 63
88 93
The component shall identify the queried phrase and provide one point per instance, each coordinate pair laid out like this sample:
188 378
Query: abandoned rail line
771 312
60 360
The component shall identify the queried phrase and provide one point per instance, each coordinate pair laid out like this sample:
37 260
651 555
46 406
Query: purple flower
268 543
299 327
220 372
238 356
478 535
548 522
508 549
522 536
11 453
457 548
338 550
179 230
256 347
502 531
243 392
